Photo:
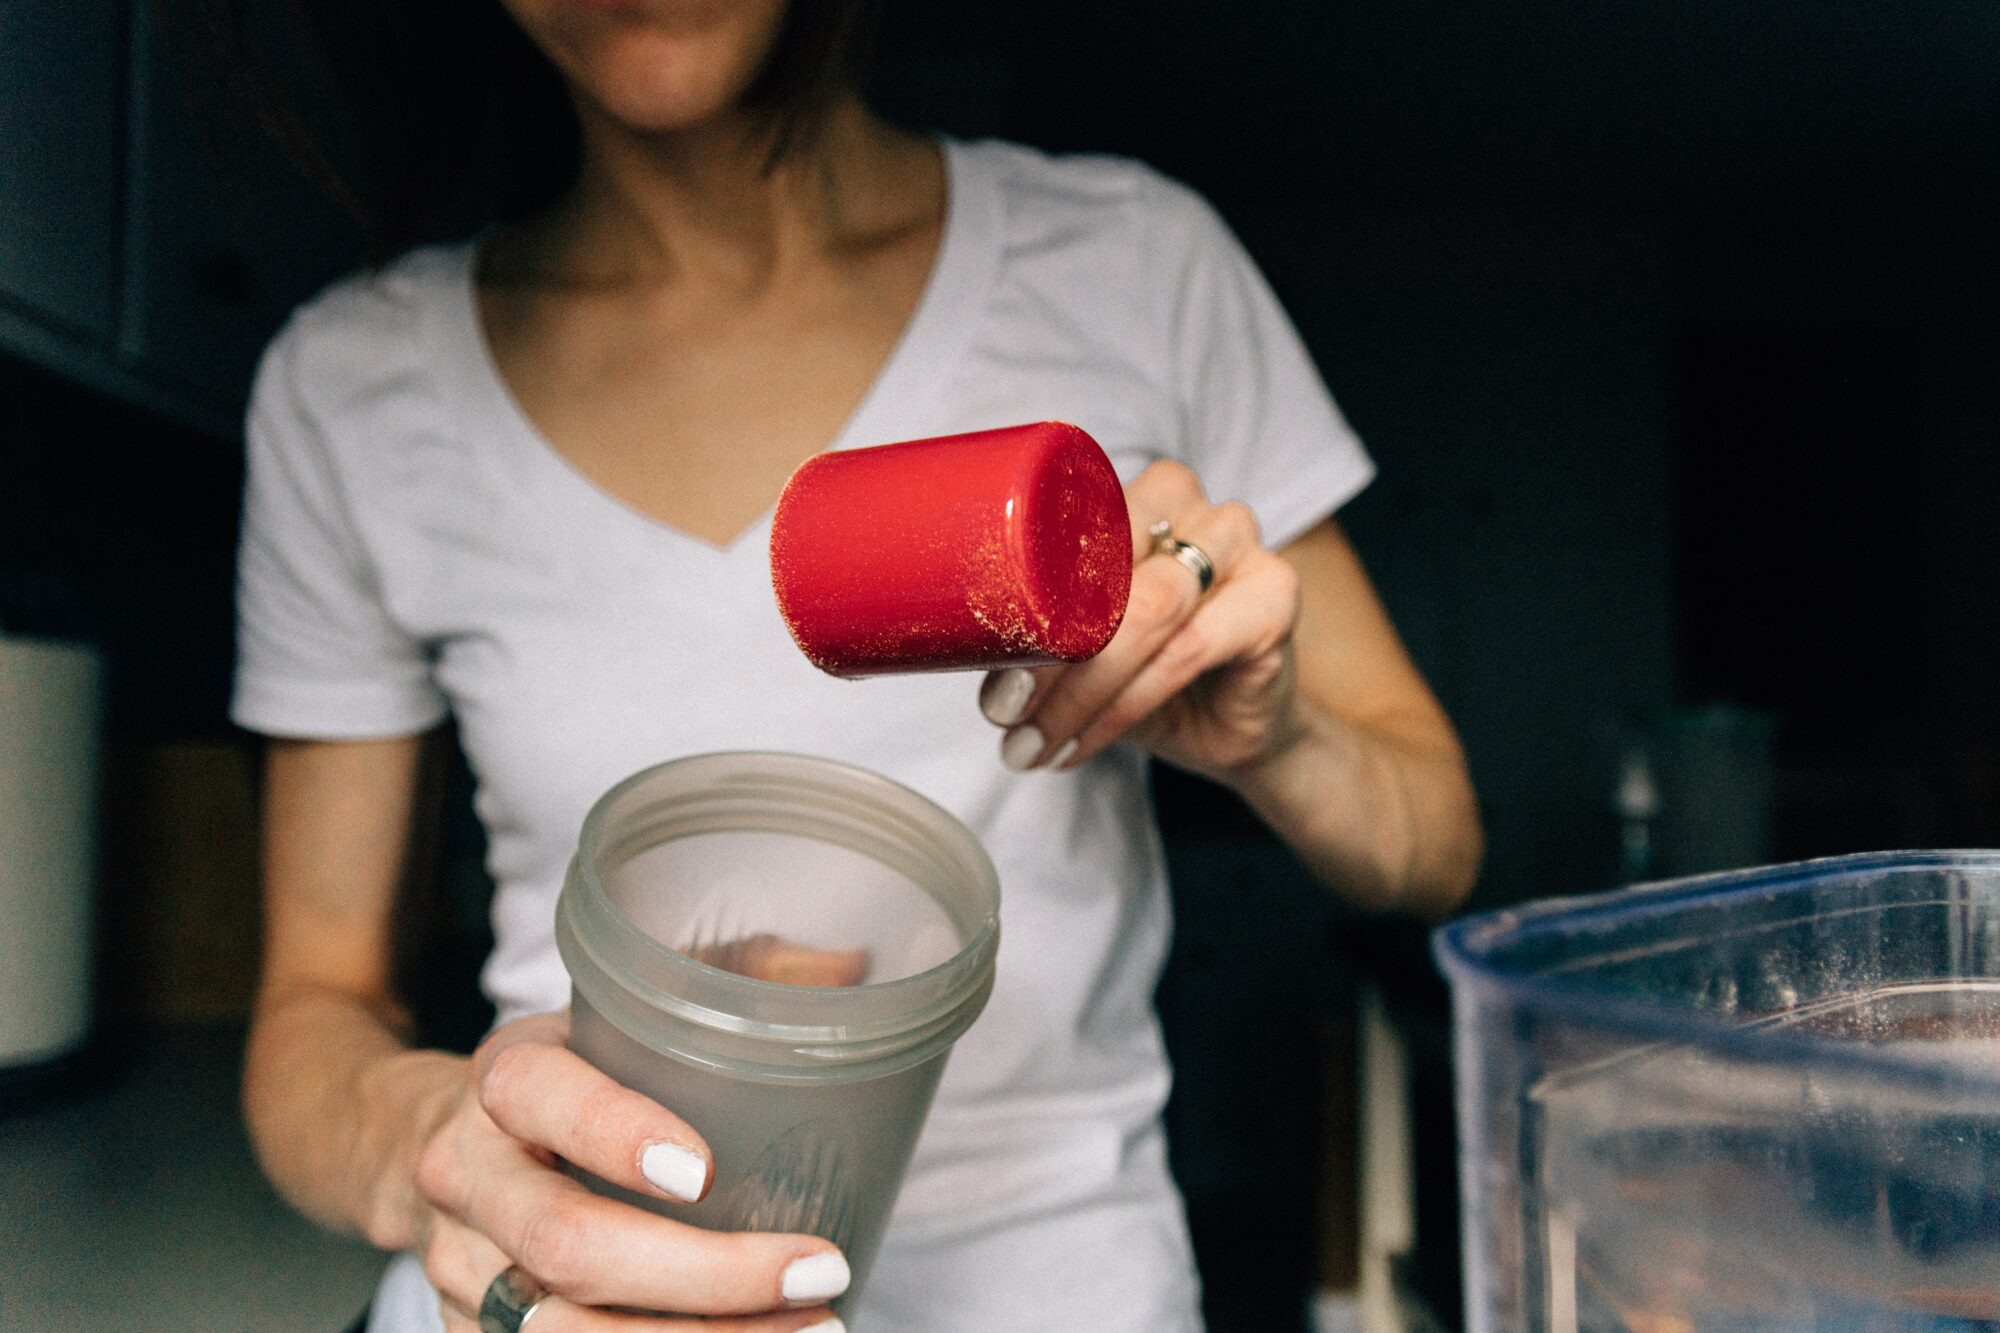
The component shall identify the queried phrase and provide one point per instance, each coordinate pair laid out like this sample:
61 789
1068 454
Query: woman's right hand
495 1197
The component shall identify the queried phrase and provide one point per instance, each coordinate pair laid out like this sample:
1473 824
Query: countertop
135 1205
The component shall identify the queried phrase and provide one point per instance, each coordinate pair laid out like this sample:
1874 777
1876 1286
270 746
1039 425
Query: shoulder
1087 200
1105 249
360 341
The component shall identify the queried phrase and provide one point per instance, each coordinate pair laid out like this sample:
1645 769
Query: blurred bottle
1693 792
1637 803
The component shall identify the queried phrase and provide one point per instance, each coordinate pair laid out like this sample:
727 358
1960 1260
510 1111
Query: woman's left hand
1202 679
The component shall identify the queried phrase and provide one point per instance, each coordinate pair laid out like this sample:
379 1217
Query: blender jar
1766 1100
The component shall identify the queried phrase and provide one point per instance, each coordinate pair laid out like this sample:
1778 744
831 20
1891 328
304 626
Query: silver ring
1193 557
510 1301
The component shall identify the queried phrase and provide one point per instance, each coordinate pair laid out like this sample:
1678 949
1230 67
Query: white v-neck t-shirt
412 547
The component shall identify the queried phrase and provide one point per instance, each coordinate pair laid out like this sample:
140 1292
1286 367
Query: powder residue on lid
991 576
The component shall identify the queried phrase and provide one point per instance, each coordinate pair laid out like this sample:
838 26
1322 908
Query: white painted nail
825 1326
674 1169
1063 752
817 1277
1004 697
1019 750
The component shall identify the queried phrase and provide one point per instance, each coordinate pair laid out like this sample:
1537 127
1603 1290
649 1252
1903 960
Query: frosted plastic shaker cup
810 1096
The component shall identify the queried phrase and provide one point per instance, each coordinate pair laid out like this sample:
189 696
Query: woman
525 482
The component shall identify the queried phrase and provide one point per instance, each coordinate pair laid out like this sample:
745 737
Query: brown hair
457 120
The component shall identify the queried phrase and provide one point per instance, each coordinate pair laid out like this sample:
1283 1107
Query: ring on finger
510 1301
1193 557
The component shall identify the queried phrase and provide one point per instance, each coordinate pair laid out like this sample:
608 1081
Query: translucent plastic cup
810 1095
1764 1100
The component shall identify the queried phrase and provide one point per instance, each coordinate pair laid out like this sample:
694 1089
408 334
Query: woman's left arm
1284 681
1373 792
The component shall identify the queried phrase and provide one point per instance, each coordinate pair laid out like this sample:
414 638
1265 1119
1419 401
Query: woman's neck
707 202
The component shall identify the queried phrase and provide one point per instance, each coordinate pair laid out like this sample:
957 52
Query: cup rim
661 977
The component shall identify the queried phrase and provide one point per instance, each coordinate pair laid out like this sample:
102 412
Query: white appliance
51 708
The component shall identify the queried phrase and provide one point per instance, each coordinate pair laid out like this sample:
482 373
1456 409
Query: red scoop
999 548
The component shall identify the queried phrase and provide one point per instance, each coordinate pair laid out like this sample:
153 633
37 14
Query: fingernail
1019 750
825 1326
817 1277
1004 697
1063 753
674 1169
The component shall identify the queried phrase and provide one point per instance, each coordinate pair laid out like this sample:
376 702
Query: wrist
1331 793
405 1098
1277 779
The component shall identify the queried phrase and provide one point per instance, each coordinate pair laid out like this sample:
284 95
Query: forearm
339 1108
1383 812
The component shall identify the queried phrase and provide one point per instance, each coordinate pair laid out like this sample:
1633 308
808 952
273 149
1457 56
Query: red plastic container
1006 547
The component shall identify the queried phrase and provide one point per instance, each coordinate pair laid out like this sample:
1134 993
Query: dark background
1673 328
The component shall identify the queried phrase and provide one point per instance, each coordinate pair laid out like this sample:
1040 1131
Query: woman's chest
695 416
578 638
562 690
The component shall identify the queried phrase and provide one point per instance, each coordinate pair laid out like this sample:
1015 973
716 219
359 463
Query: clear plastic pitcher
1764 1100
781 950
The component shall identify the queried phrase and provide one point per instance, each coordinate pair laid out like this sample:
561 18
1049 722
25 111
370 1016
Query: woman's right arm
338 1106
454 1158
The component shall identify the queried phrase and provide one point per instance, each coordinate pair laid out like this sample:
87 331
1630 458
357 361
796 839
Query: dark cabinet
62 87
227 233
152 236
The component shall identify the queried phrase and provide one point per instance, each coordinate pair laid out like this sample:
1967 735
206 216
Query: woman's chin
661 92
661 115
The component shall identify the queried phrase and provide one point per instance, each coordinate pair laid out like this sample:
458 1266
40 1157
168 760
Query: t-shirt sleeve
318 655
1258 423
